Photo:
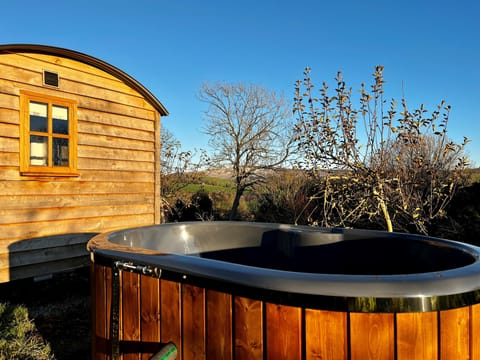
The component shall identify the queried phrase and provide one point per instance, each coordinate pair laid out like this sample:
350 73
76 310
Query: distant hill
223 173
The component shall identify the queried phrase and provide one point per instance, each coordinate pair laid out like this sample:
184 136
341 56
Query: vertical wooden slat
417 336
108 307
150 316
120 311
130 341
248 329
219 326
171 316
455 334
193 331
158 213
475 332
372 336
99 312
325 334
284 332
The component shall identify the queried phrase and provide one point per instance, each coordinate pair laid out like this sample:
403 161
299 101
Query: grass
47 320
473 175
211 184
19 337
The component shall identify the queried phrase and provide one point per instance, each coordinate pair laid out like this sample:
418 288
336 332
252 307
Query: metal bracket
115 303
138 269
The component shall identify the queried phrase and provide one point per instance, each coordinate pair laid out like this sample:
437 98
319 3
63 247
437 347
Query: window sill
49 174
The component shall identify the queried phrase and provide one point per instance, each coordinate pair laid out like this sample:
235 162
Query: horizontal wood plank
9 145
62 188
9 88
114 165
95 152
73 80
125 176
10 171
105 141
13 76
43 269
30 215
9 161
9 116
8 130
72 69
115 187
115 131
19 202
46 242
14 232
38 256
119 120
9 101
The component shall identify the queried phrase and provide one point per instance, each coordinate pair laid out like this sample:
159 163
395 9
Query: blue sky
430 49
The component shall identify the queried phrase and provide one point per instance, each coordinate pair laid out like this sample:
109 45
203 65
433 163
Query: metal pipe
138 269
167 352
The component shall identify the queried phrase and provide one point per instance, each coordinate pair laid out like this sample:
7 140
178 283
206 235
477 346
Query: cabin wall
46 221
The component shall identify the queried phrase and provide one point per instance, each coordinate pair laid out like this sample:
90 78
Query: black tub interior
302 249
367 256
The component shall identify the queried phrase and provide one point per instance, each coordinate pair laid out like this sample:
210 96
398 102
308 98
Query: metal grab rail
169 350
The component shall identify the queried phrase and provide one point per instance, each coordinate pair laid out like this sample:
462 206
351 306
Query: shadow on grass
60 309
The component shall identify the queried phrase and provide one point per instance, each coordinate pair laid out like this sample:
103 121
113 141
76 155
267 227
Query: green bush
200 207
463 216
19 339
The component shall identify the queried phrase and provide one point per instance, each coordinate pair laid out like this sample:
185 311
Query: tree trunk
383 206
236 203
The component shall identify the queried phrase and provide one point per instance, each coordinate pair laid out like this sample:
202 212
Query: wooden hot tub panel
207 324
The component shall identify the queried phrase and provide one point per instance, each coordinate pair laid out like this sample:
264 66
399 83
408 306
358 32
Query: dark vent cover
50 78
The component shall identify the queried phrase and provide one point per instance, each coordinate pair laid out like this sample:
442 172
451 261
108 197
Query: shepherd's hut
79 154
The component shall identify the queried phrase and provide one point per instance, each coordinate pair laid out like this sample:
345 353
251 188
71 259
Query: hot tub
239 290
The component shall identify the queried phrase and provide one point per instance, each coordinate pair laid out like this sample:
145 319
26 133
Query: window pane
38 150
38 117
60 152
60 119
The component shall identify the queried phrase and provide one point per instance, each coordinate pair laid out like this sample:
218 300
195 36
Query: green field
211 184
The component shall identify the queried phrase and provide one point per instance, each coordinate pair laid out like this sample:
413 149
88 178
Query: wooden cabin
79 155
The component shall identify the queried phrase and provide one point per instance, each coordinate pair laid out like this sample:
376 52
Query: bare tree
284 198
248 132
373 161
178 168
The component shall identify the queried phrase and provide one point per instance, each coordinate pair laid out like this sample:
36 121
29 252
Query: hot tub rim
420 292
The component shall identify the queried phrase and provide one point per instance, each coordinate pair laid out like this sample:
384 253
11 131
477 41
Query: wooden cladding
94 171
206 324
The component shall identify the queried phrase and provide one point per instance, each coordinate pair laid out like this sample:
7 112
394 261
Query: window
48 135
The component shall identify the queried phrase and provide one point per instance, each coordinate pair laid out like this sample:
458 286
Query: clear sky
430 49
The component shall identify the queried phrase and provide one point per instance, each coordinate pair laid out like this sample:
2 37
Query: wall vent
50 78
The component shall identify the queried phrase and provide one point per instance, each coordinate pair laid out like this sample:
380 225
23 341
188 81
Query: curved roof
89 60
